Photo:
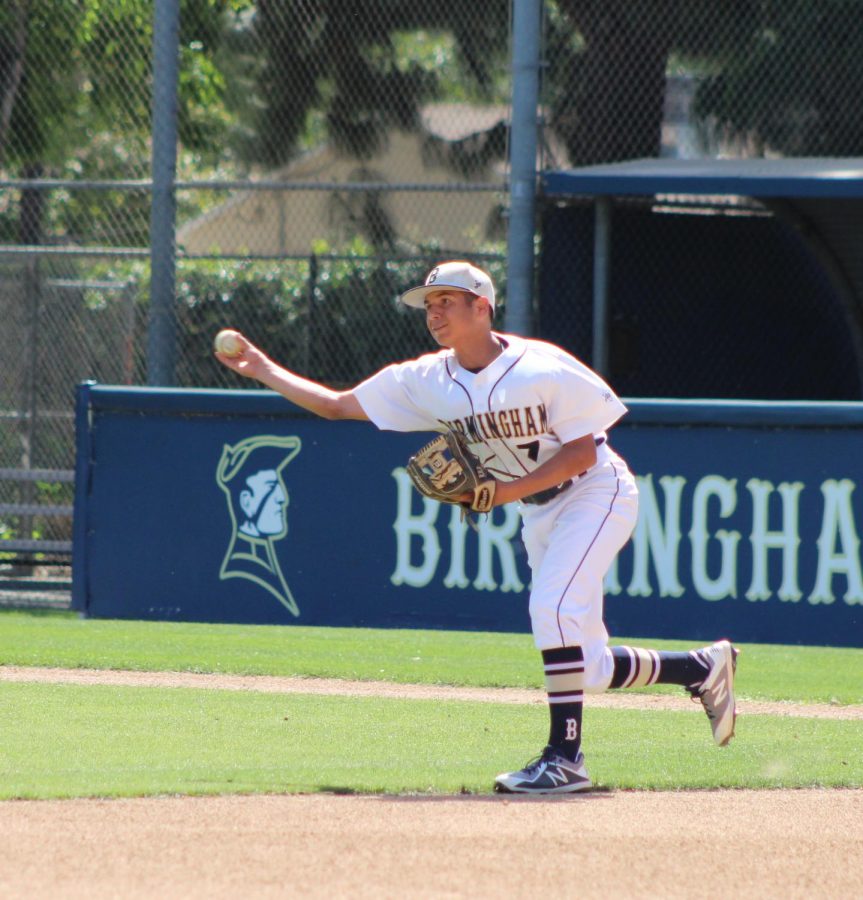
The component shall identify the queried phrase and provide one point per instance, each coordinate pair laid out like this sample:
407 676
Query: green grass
67 740
71 741
483 659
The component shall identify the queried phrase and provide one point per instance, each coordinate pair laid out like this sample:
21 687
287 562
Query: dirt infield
626 844
803 843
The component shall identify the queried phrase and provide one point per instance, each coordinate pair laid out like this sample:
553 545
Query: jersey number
532 448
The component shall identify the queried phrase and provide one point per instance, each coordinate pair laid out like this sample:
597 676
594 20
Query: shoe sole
561 789
734 654
732 663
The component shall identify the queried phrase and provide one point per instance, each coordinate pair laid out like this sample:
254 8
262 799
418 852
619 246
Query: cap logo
433 275
477 284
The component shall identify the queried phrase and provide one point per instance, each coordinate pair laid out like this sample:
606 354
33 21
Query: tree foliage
793 82
346 67
75 99
784 76
264 80
73 68
336 321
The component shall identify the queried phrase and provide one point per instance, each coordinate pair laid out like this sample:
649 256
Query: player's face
453 316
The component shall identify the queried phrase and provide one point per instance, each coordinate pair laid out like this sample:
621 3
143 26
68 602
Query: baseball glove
446 469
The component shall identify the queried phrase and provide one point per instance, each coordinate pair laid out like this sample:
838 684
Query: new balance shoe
551 773
716 692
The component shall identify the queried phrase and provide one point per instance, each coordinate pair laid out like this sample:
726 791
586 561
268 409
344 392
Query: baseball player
538 419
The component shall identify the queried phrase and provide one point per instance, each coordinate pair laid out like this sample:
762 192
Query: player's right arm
317 398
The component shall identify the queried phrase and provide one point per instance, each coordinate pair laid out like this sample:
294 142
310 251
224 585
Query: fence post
601 277
523 141
27 491
310 319
162 324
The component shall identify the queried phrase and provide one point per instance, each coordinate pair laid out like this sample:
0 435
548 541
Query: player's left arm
571 459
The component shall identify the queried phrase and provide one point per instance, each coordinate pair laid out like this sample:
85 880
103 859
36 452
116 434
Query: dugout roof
762 178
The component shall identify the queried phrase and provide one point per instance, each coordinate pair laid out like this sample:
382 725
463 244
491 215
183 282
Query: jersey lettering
472 430
532 449
491 424
543 418
455 425
500 424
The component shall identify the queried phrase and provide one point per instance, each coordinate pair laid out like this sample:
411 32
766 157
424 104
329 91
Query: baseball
227 342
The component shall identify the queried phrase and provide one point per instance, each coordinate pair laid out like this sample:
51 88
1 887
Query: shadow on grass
39 612
598 793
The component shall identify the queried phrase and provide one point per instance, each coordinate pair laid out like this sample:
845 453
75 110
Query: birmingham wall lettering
661 556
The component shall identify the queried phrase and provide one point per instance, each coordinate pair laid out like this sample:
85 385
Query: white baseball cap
457 274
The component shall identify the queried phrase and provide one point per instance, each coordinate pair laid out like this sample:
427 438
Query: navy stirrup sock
634 667
564 684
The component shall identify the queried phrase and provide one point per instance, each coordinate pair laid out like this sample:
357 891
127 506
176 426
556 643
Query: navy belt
542 497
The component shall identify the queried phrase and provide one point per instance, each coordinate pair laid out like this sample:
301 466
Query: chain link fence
327 157
709 297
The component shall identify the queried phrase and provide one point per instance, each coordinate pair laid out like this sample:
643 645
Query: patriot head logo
250 475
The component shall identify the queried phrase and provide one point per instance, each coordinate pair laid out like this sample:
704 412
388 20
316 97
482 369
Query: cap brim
415 297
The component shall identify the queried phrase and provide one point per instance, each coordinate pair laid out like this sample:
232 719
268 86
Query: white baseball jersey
516 413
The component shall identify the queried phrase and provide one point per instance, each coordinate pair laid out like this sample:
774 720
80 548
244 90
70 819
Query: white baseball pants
571 542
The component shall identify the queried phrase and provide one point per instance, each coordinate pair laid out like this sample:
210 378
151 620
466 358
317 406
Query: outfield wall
233 506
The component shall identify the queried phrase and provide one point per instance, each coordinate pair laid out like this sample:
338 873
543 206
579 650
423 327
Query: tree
75 100
608 65
793 82
787 76
347 68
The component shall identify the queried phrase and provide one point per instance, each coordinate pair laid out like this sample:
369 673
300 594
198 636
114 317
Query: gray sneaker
716 692
551 773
